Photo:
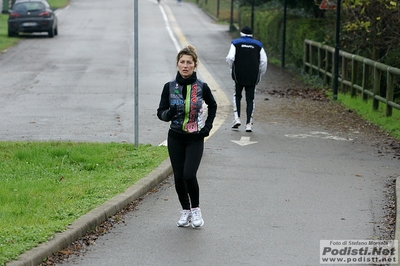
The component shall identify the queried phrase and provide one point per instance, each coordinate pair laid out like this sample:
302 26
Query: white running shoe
236 123
197 221
185 219
248 128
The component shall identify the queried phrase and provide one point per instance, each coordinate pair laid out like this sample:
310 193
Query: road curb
93 218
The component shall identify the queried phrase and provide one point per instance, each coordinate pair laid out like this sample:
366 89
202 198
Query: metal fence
357 75
222 10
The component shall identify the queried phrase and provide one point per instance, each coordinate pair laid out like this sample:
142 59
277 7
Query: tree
306 7
370 28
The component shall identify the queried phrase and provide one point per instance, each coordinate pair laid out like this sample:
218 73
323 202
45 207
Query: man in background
247 61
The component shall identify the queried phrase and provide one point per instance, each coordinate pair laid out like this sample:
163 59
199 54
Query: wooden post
389 92
333 71
305 56
345 75
311 59
365 82
377 87
354 74
326 66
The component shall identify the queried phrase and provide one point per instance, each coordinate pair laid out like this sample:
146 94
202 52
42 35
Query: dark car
30 16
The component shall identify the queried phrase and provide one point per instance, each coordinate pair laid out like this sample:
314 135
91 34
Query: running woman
181 104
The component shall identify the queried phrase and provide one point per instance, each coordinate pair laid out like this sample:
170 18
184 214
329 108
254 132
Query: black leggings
250 91
185 159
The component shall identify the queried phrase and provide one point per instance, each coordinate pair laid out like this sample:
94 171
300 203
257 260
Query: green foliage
222 13
308 7
370 28
268 28
48 185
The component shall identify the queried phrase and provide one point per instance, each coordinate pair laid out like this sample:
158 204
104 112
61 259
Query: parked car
30 16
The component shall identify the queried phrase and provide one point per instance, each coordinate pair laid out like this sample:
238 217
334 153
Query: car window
29 6
19 7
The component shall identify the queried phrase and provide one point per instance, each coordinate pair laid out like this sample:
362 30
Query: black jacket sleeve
211 105
163 107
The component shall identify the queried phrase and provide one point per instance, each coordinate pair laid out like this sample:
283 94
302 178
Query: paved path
267 197
266 203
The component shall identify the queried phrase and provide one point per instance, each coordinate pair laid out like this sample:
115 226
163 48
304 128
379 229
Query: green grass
5 41
47 185
364 109
58 3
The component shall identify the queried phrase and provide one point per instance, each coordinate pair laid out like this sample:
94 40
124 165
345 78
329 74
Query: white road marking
244 141
317 134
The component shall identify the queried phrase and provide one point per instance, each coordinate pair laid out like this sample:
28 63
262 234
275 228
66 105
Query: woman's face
186 66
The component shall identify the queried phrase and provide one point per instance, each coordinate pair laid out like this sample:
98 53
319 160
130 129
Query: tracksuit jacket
247 60
189 106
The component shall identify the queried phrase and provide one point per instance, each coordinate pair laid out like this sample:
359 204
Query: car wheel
12 33
51 33
56 31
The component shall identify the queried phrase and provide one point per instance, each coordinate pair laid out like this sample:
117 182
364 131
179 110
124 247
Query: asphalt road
267 197
78 86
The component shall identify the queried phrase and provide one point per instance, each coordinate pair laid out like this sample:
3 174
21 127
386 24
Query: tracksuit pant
250 105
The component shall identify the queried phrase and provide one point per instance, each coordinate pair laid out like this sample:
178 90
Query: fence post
365 81
389 92
319 60
344 75
305 56
354 74
333 71
371 78
377 87
311 58
326 66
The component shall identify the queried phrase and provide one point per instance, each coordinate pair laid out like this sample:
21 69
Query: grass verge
364 109
5 41
48 185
